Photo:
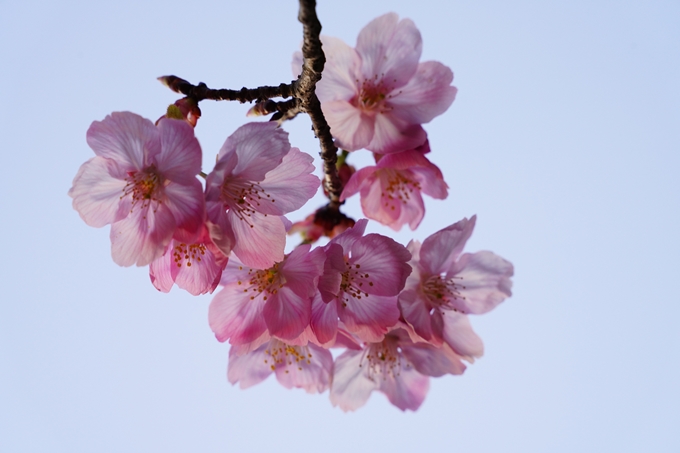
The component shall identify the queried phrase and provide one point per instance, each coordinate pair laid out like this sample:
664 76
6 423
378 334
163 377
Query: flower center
265 281
372 95
183 253
244 198
144 187
397 187
354 282
282 355
443 292
382 359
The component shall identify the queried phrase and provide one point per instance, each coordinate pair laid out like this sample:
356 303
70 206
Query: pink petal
200 276
141 237
340 73
390 49
351 386
290 185
126 138
351 127
260 147
187 206
382 262
180 156
162 272
287 314
458 334
368 317
348 237
324 320
440 251
363 177
248 369
97 190
483 280
301 270
416 312
307 367
407 390
330 280
234 316
426 95
260 241
432 360
391 135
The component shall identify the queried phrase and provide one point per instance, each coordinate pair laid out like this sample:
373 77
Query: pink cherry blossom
308 367
391 189
377 95
276 300
396 366
362 277
196 267
444 280
143 183
257 179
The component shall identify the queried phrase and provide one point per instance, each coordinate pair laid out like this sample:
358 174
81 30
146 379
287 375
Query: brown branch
305 90
302 90
201 91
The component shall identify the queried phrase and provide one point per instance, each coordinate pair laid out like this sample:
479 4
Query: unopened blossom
326 221
257 179
396 366
377 95
275 300
195 266
308 366
143 183
362 277
391 189
445 280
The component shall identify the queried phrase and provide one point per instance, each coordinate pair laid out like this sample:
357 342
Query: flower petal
235 315
391 135
259 243
427 94
141 237
351 386
407 390
458 334
97 190
389 49
340 73
290 185
125 137
248 369
180 156
485 281
260 147
439 251
351 127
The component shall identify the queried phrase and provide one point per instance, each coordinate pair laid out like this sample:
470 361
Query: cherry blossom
445 280
196 267
308 367
377 95
362 277
391 189
143 183
276 300
257 179
396 366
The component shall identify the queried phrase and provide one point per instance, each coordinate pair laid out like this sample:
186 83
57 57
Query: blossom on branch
196 267
143 183
445 280
391 189
275 300
397 366
257 179
377 95
362 278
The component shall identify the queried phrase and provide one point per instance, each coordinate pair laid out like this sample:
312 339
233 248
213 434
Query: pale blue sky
564 140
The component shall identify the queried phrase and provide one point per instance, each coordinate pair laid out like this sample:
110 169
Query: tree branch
201 91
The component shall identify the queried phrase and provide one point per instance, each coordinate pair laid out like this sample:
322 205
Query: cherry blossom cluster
396 315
